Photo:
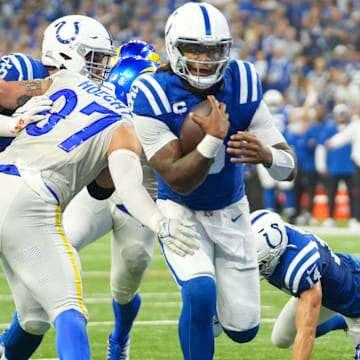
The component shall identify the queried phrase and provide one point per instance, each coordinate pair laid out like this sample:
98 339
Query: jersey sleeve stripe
295 262
254 85
243 82
30 73
159 90
149 96
18 66
24 68
303 268
249 81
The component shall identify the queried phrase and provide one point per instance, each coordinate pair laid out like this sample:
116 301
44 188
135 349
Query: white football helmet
80 44
273 99
271 239
198 28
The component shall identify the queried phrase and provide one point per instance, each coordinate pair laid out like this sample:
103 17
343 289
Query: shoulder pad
303 269
17 67
247 85
148 97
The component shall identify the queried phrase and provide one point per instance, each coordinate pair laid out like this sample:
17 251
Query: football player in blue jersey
322 283
206 185
87 218
20 67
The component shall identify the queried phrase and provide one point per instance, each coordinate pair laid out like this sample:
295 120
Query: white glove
29 113
178 236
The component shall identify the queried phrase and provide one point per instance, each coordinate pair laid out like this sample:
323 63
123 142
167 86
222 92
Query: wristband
282 164
99 193
209 146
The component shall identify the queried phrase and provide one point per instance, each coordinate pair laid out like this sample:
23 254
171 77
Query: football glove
30 112
178 236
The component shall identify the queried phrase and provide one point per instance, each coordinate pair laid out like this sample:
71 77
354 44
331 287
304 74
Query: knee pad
35 326
126 279
137 259
200 294
282 342
242 336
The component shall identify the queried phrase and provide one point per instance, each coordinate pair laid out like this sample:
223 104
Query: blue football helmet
136 48
124 73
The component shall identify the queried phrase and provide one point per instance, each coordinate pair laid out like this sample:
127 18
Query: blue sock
269 199
72 342
195 324
335 323
124 318
19 344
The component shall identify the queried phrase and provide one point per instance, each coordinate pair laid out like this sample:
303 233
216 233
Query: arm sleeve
343 137
320 158
127 176
153 133
262 125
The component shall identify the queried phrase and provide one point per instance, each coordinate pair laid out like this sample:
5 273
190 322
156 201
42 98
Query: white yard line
319 230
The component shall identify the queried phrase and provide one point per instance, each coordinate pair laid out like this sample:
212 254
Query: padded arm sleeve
127 176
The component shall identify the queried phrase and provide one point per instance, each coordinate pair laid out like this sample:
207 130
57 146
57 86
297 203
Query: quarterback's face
200 69
205 57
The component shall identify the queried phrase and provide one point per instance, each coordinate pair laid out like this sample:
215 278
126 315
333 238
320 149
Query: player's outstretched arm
16 93
126 173
307 315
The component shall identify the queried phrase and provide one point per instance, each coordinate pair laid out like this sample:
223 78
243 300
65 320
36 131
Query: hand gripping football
191 133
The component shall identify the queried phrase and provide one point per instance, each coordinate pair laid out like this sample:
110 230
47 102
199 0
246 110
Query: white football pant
228 255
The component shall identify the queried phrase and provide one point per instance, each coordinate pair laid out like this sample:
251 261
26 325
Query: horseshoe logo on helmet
67 41
269 241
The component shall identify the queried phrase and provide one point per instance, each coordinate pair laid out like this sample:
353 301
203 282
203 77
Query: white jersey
63 153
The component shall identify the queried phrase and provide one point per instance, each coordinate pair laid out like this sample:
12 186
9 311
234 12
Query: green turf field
154 336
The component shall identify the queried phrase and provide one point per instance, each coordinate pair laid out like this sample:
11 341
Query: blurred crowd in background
306 50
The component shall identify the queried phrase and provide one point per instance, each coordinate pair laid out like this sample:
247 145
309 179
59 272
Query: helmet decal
268 240
206 20
67 41
259 216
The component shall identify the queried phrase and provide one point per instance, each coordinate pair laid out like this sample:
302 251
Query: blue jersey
163 96
18 67
307 260
310 140
338 160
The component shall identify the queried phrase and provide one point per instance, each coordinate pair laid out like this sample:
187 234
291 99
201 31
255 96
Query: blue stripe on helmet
258 217
206 19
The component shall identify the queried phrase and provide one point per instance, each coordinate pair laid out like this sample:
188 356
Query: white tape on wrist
209 146
282 164
7 126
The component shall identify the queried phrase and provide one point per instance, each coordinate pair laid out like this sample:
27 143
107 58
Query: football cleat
116 351
357 353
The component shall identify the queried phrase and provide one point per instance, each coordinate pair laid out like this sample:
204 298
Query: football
191 133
